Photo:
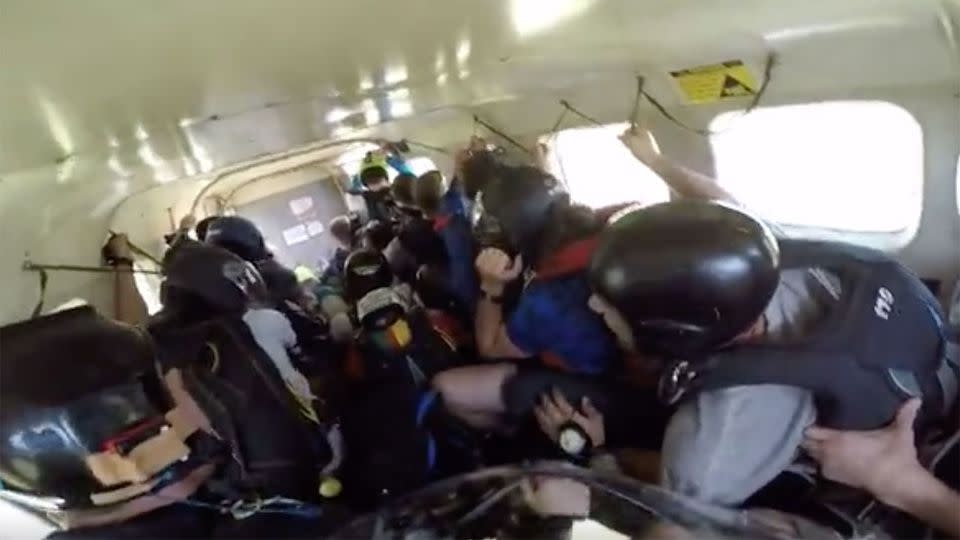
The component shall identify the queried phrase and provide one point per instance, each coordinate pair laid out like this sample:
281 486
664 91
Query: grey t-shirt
796 307
724 445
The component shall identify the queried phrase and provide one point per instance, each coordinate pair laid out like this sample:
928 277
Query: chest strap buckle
675 382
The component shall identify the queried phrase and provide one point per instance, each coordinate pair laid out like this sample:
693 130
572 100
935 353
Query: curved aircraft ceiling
189 86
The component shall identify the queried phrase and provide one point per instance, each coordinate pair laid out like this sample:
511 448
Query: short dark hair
566 223
341 229
402 188
428 192
373 174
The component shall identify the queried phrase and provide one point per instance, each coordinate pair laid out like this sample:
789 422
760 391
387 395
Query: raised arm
128 305
495 269
686 182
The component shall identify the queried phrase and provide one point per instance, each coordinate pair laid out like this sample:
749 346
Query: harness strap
947 375
424 405
105 498
175 492
570 259
283 396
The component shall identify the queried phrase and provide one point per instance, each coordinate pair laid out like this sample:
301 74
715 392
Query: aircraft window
599 170
350 161
852 166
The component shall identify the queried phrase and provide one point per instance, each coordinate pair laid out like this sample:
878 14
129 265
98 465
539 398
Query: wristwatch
496 299
575 442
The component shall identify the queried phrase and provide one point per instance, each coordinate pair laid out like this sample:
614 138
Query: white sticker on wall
301 205
314 228
295 235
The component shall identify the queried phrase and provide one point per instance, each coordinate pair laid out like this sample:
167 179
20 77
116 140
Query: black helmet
203 225
687 276
420 240
378 234
84 419
364 271
221 279
519 200
281 282
238 235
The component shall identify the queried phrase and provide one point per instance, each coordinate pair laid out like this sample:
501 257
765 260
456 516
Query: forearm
488 321
689 183
929 500
398 164
128 306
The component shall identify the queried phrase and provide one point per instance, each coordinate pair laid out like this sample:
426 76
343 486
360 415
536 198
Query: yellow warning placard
713 82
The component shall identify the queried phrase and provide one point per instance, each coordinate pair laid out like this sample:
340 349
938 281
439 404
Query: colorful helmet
239 235
687 276
304 273
380 308
519 200
364 271
220 278
373 168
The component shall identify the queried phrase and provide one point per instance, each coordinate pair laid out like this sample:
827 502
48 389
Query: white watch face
572 441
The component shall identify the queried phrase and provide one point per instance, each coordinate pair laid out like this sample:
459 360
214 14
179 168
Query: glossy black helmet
687 276
224 281
238 235
364 271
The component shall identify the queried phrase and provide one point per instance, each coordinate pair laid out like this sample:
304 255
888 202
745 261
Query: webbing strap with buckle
674 384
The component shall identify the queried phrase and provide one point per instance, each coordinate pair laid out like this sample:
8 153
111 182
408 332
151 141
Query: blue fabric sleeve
452 202
462 278
527 324
552 317
398 164
355 187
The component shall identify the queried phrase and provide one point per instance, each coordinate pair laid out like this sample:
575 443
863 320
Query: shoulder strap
838 384
570 259
768 364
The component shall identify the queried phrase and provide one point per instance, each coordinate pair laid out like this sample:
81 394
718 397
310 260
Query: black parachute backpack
396 428
276 447
884 341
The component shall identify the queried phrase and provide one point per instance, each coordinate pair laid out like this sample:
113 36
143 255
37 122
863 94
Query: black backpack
884 340
274 448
